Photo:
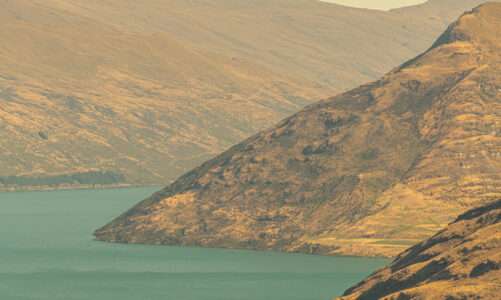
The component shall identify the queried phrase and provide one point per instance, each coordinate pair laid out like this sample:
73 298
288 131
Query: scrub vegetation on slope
369 172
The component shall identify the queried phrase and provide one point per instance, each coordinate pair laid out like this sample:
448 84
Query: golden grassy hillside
138 92
369 172
462 261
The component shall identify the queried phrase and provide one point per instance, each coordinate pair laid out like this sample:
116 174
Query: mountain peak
482 25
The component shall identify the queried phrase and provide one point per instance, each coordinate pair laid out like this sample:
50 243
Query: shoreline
17 189
388 258
260 250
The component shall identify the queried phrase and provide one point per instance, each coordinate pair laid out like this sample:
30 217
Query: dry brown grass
151 89
365 173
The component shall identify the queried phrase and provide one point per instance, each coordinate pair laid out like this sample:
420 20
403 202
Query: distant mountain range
369 172
138 92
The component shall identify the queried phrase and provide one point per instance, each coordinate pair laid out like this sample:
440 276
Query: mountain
462 261
123 92
369 172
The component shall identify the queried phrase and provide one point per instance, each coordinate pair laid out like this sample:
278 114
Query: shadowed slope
368 172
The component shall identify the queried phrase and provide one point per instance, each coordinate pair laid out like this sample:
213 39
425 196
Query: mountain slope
461 262
139 92
368 172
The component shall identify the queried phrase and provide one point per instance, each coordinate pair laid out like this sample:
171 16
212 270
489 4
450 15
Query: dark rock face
368 172
485 267
43 135
461 262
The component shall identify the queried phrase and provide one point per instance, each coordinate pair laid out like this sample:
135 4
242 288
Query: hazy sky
377 4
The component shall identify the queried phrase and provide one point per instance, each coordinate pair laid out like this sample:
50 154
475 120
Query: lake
47 252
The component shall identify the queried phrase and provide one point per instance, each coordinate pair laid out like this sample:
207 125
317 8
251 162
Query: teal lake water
47 252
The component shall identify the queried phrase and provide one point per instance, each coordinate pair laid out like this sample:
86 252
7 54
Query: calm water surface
47 253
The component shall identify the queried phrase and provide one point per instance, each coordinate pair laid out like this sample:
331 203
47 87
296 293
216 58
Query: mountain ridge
349 175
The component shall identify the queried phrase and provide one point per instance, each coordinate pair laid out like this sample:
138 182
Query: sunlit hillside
135 92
